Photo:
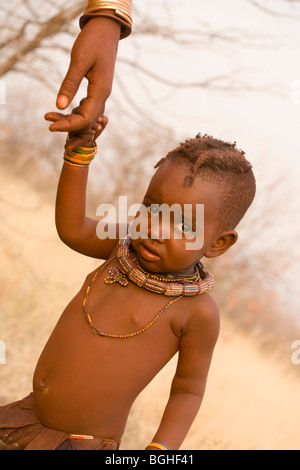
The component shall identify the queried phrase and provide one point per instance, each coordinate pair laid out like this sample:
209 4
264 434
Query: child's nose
158 228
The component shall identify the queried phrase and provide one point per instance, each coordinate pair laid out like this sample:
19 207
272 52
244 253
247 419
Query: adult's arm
93 56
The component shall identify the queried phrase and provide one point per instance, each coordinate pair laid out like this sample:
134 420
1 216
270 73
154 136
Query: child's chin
150 266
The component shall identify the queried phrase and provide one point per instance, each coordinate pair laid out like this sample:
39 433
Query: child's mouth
147 254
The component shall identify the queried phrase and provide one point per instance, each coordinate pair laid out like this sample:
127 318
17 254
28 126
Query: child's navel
42 384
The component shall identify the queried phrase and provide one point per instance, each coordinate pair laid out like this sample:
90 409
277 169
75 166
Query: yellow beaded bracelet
159 446
80 156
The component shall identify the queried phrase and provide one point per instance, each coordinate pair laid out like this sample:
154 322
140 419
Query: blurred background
228 69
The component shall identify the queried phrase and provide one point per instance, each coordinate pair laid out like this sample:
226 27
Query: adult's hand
93 56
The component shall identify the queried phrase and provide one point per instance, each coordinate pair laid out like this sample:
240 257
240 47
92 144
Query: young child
147 302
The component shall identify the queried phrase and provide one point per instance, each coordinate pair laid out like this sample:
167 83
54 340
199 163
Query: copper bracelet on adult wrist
122 8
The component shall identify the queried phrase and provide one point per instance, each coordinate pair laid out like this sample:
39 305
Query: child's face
158 254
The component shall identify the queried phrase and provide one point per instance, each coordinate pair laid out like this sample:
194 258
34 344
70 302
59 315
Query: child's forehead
171 171
168 183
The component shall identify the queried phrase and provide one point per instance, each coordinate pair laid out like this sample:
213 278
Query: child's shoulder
205 305
204 310
201 313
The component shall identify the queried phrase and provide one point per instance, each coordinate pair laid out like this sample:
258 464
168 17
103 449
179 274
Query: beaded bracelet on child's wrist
159 445
80 156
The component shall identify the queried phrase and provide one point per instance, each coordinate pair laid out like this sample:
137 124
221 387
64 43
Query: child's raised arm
73 226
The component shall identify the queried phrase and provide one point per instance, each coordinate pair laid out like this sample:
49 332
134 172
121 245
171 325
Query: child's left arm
195 354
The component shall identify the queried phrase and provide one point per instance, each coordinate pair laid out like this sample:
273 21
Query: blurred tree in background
36 39
33 34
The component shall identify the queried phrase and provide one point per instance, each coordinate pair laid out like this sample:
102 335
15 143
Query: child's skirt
20 429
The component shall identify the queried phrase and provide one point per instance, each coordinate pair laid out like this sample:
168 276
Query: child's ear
219 246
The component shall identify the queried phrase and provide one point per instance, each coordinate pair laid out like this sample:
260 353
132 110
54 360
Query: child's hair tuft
223 163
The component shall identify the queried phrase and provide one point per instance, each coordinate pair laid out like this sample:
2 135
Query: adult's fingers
70 85
70 123
54 117
78 120
58 117
66 122
94 105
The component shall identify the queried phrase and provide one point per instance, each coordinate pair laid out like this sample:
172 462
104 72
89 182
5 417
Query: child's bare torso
86 384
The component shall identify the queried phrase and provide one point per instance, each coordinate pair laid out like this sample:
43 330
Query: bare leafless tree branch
294 10
48 29
32 32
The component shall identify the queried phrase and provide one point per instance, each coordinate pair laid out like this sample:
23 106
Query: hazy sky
270 55
253 119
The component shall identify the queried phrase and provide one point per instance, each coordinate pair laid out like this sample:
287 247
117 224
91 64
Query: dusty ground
252 397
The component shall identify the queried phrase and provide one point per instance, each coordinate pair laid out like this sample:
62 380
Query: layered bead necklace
169 285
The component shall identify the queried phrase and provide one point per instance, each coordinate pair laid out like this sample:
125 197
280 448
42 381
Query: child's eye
153 209
184 227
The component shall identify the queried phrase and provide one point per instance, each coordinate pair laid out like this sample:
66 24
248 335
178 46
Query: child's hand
85 137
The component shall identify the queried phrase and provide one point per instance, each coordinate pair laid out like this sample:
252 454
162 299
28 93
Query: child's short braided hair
221 163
